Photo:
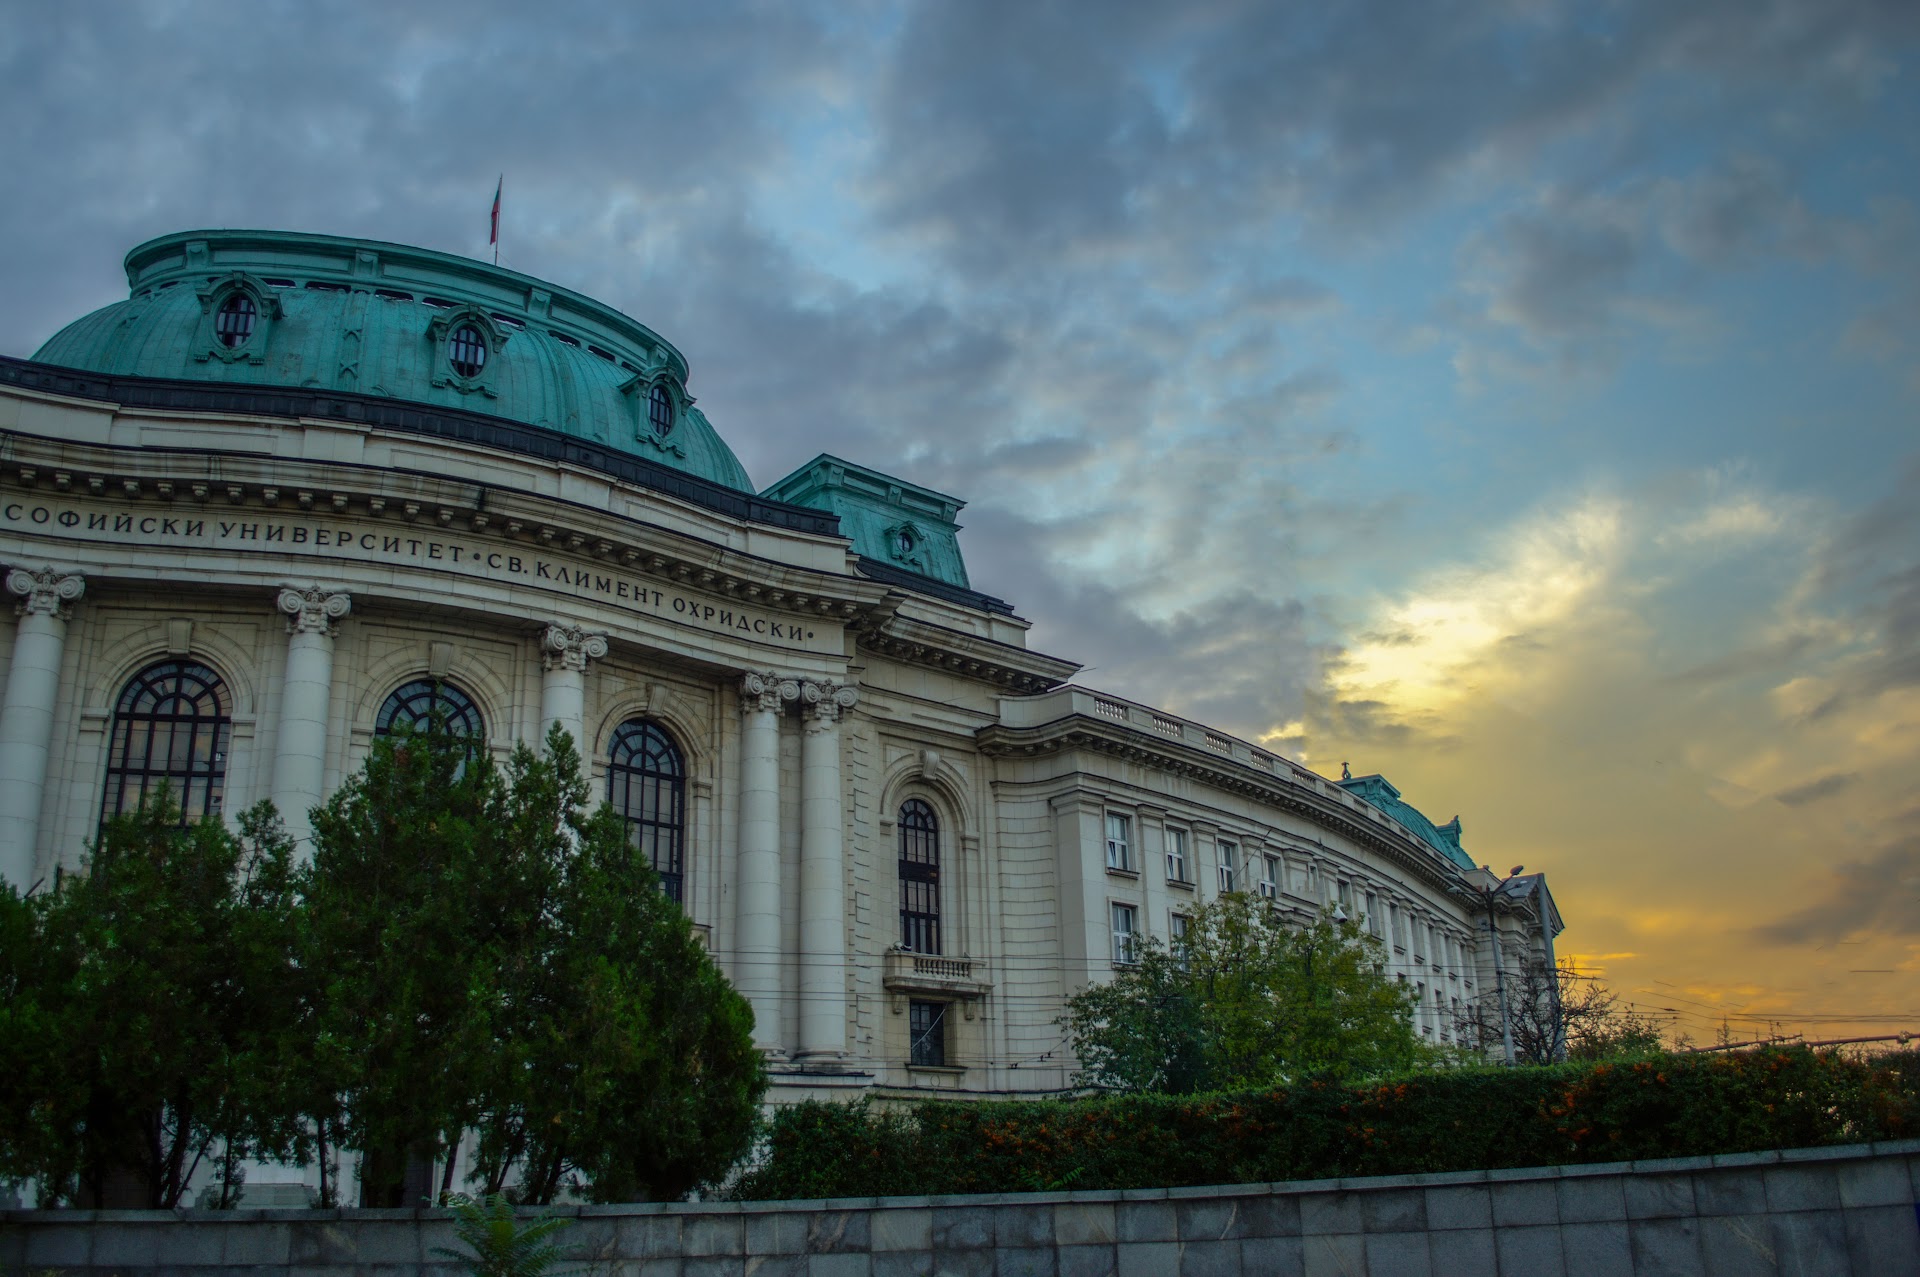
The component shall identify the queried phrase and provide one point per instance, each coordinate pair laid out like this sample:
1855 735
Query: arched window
233 322
660 409
467 351
426 702
172 726
647 784
919 877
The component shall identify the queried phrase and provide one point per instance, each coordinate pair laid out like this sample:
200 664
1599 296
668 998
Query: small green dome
316 311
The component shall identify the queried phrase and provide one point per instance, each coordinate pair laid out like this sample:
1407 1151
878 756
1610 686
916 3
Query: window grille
647 785
427 704
1177 856
919 877
467 351
234 321
1126 933
927 1028
1227 854
660 409
173 725
1119 842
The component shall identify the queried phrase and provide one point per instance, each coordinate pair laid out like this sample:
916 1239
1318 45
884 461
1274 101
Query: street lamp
1499 970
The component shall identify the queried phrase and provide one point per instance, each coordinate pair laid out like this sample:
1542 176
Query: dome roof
284 309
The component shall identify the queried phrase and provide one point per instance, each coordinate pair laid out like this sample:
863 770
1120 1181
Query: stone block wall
1810 1211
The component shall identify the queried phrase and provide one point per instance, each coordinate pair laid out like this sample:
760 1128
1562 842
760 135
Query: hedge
1449 1120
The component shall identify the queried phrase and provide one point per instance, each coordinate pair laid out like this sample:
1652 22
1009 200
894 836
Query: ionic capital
826 703
763 692
45 591
568 647
314 609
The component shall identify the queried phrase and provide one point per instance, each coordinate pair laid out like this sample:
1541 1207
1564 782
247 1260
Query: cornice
916 642
1079 731
195 483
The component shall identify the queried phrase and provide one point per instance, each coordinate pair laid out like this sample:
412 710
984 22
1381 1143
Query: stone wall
1810 1211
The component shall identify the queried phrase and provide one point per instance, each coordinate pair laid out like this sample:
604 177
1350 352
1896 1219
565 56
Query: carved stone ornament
764 691
828 702
312 610
570 647
45 591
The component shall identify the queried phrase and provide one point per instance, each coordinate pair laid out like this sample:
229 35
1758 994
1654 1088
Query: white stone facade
317 565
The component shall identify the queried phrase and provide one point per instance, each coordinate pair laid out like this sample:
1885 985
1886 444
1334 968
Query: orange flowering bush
1441 1120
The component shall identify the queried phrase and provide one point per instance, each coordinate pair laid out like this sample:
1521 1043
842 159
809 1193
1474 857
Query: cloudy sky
1515 398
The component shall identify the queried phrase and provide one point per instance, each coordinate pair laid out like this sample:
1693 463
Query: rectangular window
1373 914
1126 933
1346 897
1227 854
927 1025
1119 842
1270 876
1177 929
1177 856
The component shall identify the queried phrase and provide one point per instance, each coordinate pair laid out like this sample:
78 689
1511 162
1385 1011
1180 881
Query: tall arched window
417 706
919 877
172 726
647 784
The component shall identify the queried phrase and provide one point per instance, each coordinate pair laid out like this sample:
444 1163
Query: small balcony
935 975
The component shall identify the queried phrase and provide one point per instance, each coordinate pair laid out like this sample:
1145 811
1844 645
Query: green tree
407 911
148 1015
627 1064
493 958
1248 1000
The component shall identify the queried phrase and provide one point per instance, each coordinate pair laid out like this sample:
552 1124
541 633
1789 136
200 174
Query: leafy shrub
499 1244
1462 1119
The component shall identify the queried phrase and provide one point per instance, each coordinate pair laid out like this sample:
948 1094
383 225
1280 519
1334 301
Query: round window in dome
467 351
903 543
233 322
660 409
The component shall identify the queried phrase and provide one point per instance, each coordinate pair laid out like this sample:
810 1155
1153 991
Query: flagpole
493 229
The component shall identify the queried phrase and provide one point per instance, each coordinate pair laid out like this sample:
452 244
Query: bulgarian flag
493 232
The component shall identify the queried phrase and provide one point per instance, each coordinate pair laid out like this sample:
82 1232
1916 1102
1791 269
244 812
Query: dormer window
660 409
902 542
467 351
234 321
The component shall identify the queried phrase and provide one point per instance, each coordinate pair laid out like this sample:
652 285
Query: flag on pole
493 231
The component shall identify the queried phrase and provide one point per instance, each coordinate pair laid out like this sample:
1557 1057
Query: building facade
296 490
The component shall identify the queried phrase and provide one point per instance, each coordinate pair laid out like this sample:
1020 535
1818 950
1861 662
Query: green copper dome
283 309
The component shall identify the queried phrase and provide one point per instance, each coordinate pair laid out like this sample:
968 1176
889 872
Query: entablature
1350 819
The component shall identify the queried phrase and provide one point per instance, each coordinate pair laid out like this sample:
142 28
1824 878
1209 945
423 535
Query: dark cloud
1245 660
1871 571
1814 790
1879 895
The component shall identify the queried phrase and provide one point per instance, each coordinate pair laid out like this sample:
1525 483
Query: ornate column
823 884
564 653
26 723
756 947
306 692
